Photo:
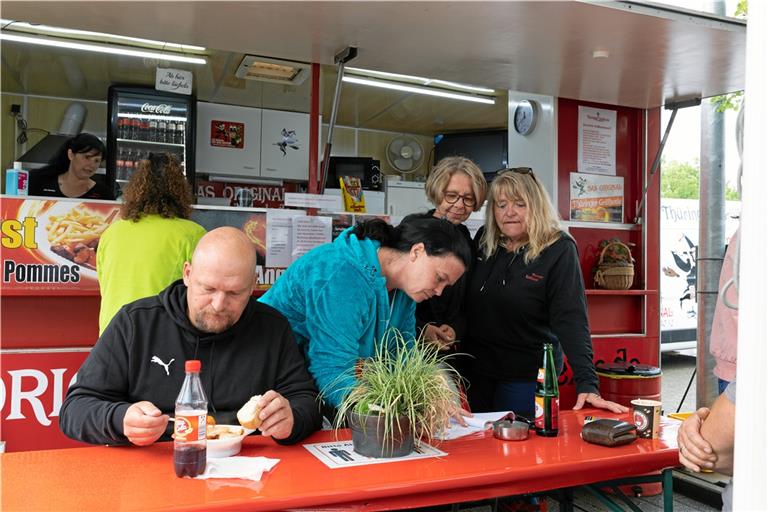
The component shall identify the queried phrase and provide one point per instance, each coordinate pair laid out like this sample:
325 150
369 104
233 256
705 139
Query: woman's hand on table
458 413
695 452
144 423
596 400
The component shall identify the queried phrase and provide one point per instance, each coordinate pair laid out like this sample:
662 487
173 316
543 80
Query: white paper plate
228 446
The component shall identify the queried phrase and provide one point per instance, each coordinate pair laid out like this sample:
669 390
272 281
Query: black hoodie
515 307
141 354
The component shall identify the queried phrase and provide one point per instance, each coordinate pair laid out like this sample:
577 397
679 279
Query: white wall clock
526 115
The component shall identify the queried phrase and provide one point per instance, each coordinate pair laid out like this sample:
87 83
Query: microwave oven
365 168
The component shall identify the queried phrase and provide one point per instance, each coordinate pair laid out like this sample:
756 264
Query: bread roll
248 415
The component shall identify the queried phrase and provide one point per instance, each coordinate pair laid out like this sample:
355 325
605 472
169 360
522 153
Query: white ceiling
538 47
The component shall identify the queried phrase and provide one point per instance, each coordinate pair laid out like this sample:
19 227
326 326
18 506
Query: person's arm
296 386
567 305
568 320
338 315
695 452
718 430
96 403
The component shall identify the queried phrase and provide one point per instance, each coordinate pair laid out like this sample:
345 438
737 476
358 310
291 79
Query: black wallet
609 432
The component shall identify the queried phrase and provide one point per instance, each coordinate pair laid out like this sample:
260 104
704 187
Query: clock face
525 117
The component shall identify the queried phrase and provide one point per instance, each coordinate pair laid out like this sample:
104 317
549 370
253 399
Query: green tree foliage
680 180
733 100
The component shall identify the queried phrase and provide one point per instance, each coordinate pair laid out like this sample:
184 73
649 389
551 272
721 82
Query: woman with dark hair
340 298
70 172
143 253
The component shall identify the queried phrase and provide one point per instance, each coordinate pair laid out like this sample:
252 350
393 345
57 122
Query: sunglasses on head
519 170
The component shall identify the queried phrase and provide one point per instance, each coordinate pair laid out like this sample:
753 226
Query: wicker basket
615 275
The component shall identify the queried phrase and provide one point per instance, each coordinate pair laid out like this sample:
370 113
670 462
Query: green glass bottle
547 396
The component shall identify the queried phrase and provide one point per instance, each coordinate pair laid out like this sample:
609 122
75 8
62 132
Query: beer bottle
547 396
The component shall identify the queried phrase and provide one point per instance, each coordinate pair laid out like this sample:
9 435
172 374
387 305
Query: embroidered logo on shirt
159 361
534 277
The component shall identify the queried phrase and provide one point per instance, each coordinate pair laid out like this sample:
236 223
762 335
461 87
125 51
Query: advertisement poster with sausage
51 245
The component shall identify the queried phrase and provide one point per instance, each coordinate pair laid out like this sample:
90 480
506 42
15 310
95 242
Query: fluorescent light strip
92 47
419 90
88 33
424 81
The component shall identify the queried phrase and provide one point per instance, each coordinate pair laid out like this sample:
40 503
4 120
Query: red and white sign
31 393
50 245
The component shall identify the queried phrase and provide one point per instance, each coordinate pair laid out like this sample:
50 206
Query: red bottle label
190 428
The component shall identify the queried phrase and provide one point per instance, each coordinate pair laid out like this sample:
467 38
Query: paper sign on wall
173 80
597 141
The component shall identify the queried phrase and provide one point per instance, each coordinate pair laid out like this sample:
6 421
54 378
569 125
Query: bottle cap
17 165
193 365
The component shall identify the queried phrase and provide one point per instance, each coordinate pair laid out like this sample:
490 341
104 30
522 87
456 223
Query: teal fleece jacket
335 298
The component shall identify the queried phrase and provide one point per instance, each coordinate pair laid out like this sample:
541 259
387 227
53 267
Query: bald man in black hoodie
127 387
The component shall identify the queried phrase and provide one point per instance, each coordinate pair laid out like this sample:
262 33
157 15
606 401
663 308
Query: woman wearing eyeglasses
144 252
526 289
457 187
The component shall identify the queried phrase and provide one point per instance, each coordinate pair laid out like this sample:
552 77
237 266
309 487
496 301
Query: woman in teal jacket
340 298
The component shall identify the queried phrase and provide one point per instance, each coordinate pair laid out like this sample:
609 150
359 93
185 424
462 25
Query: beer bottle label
540 376
190 428
542 412
539 418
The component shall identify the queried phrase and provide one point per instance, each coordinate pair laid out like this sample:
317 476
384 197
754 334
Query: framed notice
226 134
597 141
596 198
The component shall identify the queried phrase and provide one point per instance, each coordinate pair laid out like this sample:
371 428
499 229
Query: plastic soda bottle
189 448
547 396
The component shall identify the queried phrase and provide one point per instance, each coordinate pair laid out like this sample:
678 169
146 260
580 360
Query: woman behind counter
70 172
341 298
526 289
457 187
144 252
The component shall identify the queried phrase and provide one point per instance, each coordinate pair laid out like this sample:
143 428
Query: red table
477 467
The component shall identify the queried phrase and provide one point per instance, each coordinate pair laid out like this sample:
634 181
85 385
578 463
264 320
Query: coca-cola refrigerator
143 121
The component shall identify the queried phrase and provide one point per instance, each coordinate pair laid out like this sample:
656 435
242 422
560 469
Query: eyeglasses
452 197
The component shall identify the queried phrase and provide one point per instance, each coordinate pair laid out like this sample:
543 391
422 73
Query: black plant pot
368 436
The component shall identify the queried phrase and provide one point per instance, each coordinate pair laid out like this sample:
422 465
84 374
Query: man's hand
276 415
595 400
144 423
443 336
695 452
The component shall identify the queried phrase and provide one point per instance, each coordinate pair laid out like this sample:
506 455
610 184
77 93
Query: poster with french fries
51 244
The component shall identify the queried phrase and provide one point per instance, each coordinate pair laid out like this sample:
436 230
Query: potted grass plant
402 394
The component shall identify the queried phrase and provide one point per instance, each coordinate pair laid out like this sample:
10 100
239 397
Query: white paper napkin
249 468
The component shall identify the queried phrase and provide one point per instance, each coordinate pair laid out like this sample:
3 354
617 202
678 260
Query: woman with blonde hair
457 187
526 290
144 252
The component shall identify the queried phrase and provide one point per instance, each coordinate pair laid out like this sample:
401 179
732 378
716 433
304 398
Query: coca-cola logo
162 108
